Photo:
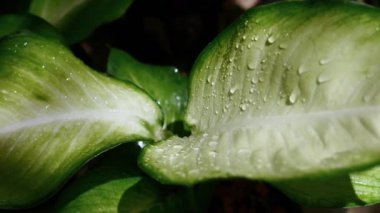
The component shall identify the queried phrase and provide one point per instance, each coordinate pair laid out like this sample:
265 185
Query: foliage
287 94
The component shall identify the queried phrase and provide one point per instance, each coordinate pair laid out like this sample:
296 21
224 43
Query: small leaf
12 23
289 91
116 188
165 84
77 19
356 189
56 114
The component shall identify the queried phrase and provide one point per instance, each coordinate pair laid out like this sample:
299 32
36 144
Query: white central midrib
307 117
109 115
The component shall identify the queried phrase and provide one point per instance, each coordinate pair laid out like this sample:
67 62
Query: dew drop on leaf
293 98
243 107
209 79
282 46
301 69
232 91
322 78
271 39
324 61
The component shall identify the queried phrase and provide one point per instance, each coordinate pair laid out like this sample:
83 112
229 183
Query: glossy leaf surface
56 114
291 90
165 84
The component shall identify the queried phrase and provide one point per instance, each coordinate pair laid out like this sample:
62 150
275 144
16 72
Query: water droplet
244 37
141 144
232 91
246 23
231 60
43 66
47 107
263 61
68 79
324 61
256 38
322 78
293 98
254 80
265 99
209 79
243 107
301 69
25 44
251 66
271 39
252 90
261 79
282 46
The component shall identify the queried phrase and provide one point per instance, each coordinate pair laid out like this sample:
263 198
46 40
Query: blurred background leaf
77 19
12 23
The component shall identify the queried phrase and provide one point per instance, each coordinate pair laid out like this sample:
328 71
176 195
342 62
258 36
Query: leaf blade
77 19
352 190
56 114
164 83
279 95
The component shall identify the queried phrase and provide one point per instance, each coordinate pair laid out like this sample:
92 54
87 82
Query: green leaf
56 114
116 188
289 91
77 19
356 189
12 23
165 84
